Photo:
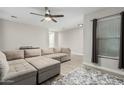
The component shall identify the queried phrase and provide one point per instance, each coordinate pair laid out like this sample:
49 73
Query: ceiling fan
48 16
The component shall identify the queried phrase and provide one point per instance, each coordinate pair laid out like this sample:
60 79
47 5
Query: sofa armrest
66 50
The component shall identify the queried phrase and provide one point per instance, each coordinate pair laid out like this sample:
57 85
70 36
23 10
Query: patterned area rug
86 76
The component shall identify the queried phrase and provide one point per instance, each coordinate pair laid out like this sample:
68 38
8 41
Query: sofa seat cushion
56 55
42 63
20 70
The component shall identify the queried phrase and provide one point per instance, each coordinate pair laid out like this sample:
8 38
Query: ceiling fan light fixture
47 18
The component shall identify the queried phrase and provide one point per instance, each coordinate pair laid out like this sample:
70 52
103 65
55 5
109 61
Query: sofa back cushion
66 50
14 54
4 66
57 50
32 52
48 51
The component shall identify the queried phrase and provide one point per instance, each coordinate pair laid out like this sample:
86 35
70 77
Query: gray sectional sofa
31 66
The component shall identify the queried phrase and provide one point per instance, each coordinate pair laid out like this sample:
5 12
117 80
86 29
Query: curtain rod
107 16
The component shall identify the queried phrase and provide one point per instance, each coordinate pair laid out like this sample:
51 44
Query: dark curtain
94 42
121 58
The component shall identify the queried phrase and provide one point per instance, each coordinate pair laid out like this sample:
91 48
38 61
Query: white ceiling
72 16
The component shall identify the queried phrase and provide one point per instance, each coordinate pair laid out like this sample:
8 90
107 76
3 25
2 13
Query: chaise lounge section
20 72
46 67
34 66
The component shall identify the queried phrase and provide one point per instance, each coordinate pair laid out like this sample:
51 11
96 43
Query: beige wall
72 39
13 35
107 63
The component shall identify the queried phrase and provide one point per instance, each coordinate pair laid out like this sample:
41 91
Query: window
108 36
51 39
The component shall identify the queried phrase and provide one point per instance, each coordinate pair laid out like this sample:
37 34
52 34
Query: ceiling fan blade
42 20
36 14
54 20
57 15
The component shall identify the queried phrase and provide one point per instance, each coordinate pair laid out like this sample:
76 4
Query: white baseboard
117 72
